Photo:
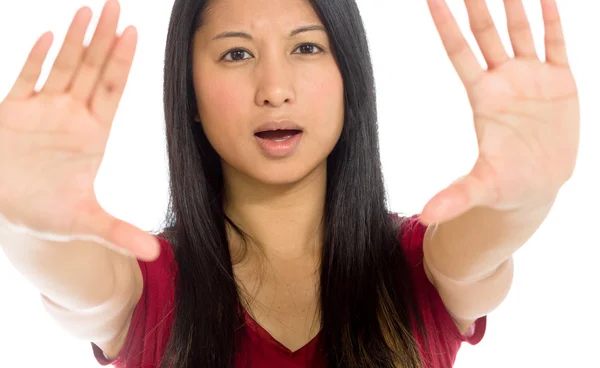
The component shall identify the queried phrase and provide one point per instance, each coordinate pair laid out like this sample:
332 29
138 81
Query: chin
275 173
284 173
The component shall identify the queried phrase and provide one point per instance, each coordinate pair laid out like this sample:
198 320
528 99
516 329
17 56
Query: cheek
327 108
220 105
222 97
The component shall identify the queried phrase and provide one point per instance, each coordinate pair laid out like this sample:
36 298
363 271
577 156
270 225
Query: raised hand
52 141
526 112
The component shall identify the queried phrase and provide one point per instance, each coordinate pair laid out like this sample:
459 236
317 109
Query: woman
279 249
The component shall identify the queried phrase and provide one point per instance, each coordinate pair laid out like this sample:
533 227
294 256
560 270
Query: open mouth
278 135
280 142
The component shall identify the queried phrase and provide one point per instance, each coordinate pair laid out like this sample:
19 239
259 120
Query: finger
24 86
486 34
447 204
519 29
70 54
116 234
450 202
95 56
556 51
109 90
465 193
459 51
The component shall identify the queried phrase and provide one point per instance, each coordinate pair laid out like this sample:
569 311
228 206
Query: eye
236 55
308 47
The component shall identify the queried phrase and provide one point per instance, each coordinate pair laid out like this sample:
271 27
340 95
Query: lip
279 149
278 125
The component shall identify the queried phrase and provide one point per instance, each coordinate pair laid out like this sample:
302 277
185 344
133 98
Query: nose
275 81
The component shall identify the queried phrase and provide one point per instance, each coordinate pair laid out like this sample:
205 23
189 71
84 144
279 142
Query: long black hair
366 296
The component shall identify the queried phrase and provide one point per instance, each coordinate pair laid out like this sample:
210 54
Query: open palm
526 112
52 142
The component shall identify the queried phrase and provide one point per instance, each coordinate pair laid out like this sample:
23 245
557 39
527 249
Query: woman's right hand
52 141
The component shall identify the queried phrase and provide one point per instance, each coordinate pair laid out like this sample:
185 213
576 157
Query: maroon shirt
152 319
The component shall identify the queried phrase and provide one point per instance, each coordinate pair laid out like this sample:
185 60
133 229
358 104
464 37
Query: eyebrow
248 37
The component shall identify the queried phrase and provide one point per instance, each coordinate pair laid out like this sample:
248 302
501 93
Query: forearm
77 275
467 301
88 289
474 245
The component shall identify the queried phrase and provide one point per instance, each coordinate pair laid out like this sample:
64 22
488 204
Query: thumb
459 197
117 234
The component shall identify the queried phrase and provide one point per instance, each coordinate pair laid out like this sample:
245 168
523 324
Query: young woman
279 250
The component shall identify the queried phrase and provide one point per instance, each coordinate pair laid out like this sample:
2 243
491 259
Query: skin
279 201
526 118
527 123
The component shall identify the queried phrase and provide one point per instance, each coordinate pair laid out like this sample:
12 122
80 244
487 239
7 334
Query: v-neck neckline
263 333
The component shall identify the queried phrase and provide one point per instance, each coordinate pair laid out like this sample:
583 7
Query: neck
284 221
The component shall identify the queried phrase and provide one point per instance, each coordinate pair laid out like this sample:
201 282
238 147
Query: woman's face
265 71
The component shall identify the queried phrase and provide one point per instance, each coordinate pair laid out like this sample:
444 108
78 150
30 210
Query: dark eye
308 47
236 55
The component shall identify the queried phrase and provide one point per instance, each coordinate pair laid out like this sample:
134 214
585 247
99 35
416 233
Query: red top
149 331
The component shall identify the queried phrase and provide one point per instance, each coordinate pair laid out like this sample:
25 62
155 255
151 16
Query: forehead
259 15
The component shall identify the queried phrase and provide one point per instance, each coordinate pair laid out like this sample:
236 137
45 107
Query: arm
469 259
89 289
527 123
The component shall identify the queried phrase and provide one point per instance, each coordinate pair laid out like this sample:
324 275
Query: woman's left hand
526 112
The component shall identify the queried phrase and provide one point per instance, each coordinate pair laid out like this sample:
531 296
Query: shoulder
161 272
153 314
166 259
411 235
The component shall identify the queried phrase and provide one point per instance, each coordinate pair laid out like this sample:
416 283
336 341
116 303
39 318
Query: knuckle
456 47
483 25
520 26
65 63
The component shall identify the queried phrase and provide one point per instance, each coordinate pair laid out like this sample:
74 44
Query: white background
551 316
